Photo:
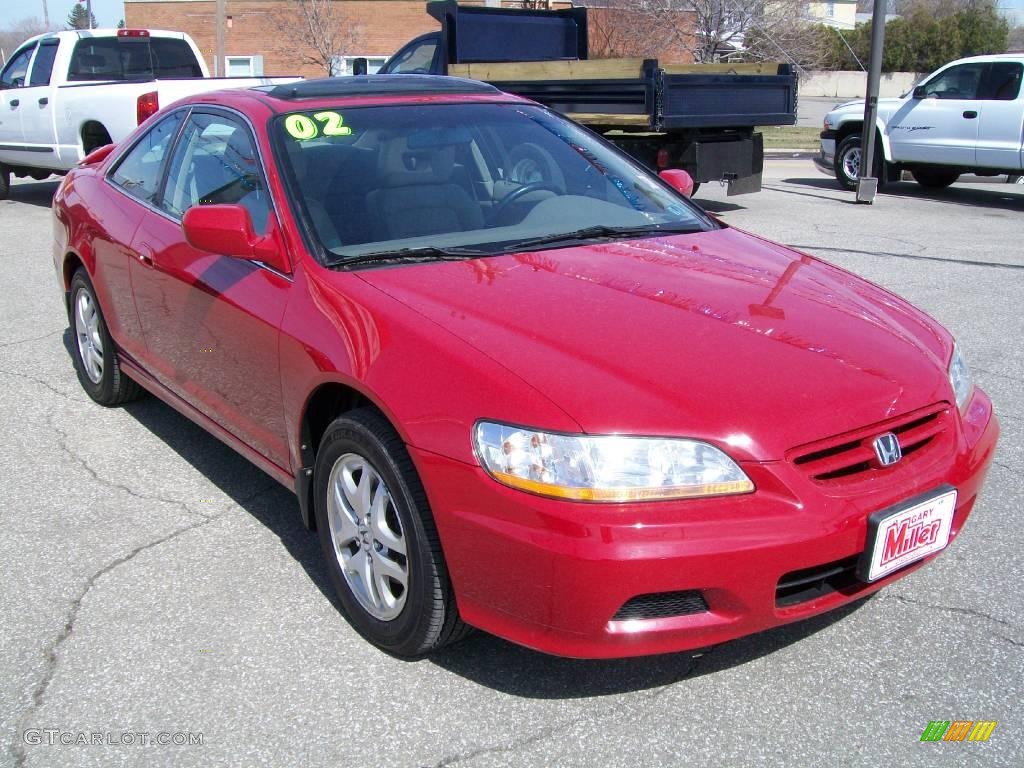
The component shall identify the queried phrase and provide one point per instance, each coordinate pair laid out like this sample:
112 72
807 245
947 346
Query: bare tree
707 30
658 29
17 32
321 30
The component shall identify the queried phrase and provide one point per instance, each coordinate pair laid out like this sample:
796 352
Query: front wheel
99 370
934 178
846 163
5 181
378 537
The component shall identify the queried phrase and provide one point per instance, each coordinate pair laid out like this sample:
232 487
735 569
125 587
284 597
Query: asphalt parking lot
154 582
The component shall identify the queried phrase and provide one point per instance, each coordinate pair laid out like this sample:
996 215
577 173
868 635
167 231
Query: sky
107 12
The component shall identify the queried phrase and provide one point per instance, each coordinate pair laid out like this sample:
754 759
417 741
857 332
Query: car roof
366 90
370 85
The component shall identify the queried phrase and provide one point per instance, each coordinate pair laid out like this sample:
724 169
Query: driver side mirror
919 92
359 66
679 180
227 231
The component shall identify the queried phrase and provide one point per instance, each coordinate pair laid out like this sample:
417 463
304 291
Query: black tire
429 618
848 156
95 136
112 386
5 182
934 178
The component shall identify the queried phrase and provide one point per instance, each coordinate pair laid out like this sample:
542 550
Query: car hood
886 107
717 335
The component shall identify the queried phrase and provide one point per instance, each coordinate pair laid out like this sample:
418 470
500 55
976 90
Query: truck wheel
934 178
5 181
846 163
94 136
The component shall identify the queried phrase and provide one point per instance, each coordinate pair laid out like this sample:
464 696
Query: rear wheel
94 136
934 178
95 357
378 537
5 181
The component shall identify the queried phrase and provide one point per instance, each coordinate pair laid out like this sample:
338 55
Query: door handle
145 255
44 101
970 114
15 102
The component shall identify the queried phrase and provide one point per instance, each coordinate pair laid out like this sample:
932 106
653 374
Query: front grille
662 605
851 457
810 583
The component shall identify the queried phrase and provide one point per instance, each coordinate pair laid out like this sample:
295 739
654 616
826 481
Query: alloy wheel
87 330
368 538
851 163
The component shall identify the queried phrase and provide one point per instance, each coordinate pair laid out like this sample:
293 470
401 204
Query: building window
243 66
341 66
830 10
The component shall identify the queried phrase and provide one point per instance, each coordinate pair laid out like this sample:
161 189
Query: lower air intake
662 605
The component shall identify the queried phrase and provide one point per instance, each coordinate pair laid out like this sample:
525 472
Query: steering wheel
517 194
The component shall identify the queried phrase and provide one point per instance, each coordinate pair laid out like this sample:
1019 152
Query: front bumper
825 159
551 574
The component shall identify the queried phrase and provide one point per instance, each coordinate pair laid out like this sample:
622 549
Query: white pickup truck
967 117
64 94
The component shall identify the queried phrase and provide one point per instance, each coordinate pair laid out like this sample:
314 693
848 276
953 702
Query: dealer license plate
903 534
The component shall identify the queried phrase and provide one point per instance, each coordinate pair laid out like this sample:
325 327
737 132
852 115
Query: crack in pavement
1000 375
546 733
50 655
961 611
43 383
34 338
62 443
916 256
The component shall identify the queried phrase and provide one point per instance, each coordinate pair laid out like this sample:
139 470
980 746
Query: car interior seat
418 194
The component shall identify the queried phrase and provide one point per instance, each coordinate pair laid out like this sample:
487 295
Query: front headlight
607 467
960 377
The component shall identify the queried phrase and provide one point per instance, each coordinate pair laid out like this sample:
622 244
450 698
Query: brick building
255 41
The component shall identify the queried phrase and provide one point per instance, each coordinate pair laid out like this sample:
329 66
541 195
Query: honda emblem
887 449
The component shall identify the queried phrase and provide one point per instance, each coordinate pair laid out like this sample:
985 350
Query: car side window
960 82
13 75
140 171
42 67
1003 81
216 162
416 58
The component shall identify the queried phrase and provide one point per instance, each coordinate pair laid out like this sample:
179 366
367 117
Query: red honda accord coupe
516 381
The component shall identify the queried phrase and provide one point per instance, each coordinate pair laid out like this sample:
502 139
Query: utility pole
88 13
867 185
218 65
46 16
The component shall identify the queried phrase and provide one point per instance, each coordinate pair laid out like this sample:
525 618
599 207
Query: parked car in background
579 412
64 94
966 117
701 118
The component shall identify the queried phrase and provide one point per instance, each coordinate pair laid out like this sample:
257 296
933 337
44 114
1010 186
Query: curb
787 154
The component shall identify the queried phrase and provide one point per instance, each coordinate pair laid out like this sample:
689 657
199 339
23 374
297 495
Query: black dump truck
698 117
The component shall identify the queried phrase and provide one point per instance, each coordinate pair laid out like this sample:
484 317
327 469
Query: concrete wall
851 85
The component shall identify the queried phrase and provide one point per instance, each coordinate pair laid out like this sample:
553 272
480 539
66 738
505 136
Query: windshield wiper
408 256
603 232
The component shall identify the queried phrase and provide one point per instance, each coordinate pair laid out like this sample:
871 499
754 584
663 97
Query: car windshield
465 178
